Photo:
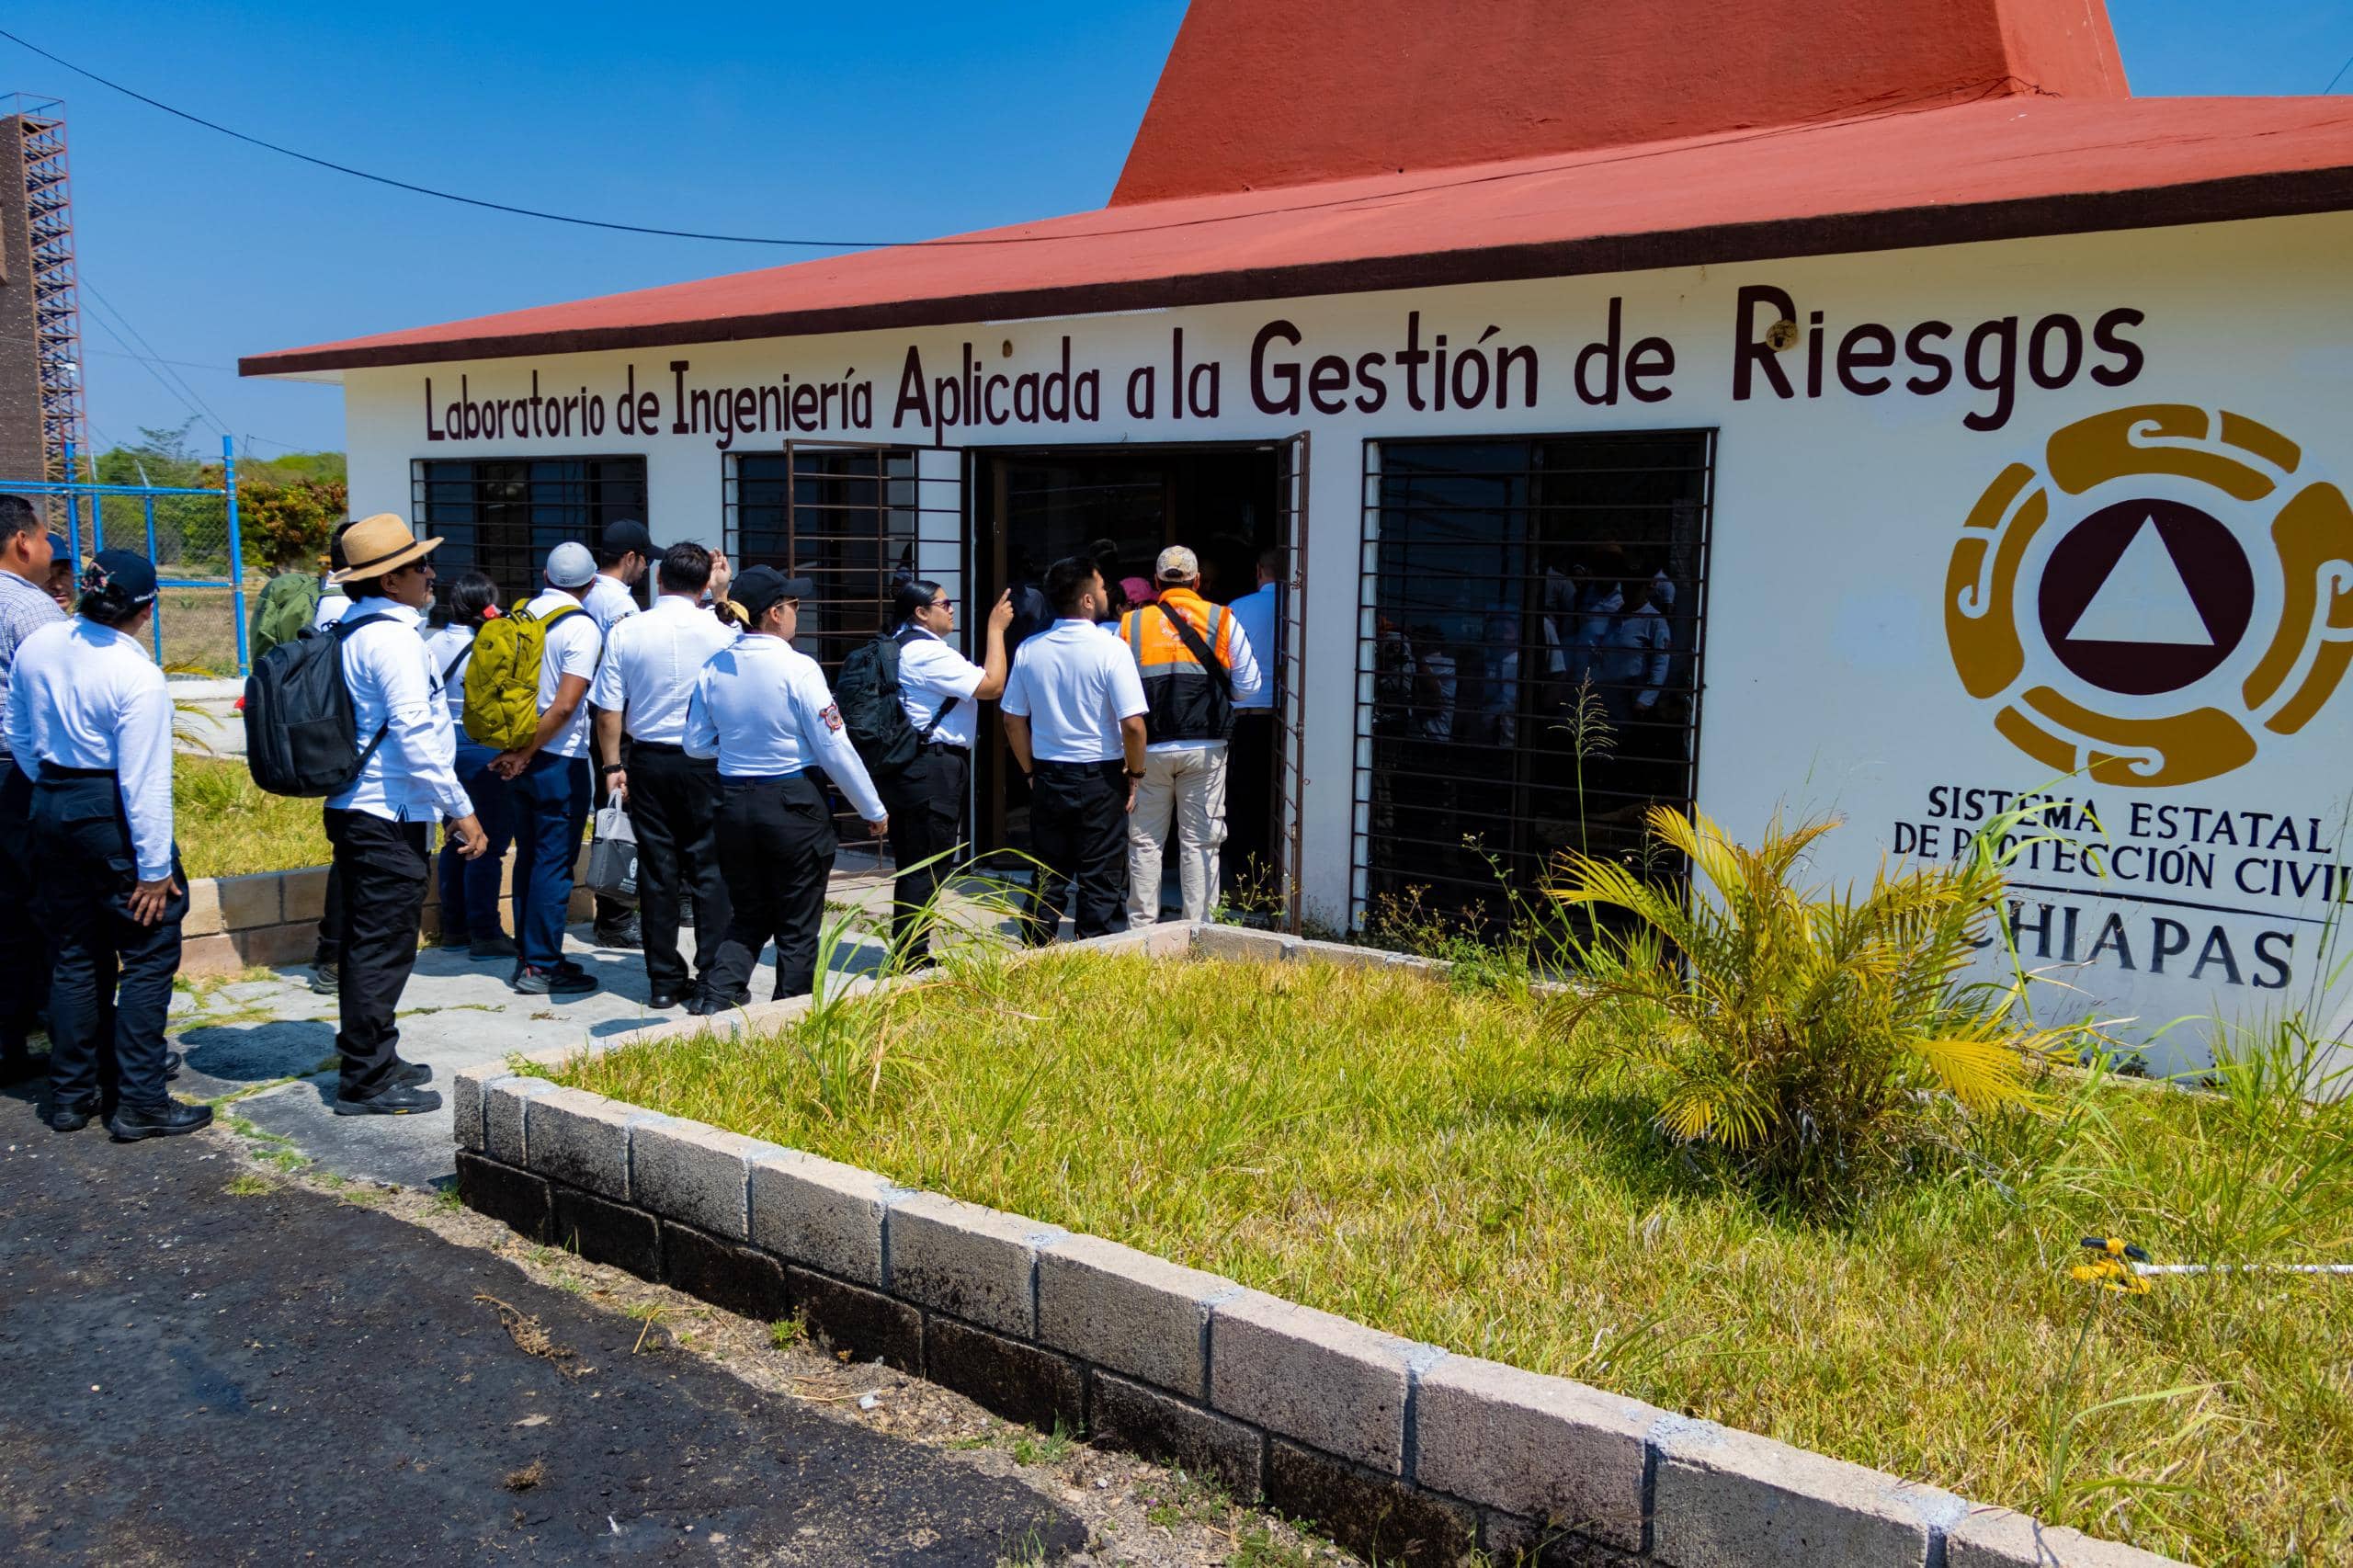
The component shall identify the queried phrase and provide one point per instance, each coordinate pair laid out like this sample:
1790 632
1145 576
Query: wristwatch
1135 772
615 766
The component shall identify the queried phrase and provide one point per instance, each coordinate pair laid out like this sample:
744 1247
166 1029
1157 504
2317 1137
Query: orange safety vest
1185 701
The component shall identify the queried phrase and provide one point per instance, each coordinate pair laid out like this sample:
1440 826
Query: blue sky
863 123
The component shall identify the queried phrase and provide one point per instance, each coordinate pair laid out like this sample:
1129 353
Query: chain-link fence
189 531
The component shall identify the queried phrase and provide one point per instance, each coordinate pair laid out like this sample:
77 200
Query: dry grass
1441 1162
228 826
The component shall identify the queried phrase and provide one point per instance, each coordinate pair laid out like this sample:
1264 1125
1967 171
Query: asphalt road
196 1375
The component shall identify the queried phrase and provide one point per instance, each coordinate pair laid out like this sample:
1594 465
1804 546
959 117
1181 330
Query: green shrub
1811 1038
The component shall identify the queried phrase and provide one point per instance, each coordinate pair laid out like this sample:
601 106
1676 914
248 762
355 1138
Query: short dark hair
108 609
17 517
912 596
467 602
337 560
357 588
685 568
1270 562
1067 579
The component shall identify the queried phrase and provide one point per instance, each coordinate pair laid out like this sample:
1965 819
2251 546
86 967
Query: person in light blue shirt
761 709
90 719
379 822
1254 792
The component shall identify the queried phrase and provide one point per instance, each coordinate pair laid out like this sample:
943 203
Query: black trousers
674 807
383 868
112 988
1254 793
24 937
776 845
926 806
1078 830
329 951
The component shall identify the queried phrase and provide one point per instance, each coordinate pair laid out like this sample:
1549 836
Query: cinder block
248 902
581 1138
270 947
868 1324
466 1105
1345 954
203 917
1018 1381
1728 1499
735 1278
1541 1446
1374 1514
693 1173
1128 1310
502 1100
304 893
816 1212
1996 1538
1164 1429
976 1263
1214 941
1511 1542
216 954
604 1231
1310 1375
516 1198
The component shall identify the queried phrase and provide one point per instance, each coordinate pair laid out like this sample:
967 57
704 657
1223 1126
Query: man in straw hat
379 823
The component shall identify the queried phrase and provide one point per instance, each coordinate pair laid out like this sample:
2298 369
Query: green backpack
288 603
503 677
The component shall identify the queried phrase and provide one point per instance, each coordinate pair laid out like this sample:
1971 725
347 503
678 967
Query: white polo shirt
930 671
609 602
573 644
1074 682
396 688
651 663
762 707
83 695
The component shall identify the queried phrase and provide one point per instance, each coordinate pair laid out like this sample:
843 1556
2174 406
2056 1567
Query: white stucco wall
1831 687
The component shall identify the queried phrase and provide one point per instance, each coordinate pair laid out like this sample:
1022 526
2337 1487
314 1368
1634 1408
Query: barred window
501 516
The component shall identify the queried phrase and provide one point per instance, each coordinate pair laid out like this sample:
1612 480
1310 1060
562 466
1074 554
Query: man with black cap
641 695
88 714
27 548
762 708
379 823
623 553
550 774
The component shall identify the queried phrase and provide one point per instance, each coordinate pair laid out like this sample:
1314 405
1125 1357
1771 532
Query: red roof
2003 168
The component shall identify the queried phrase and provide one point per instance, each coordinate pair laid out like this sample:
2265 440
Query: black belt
952 750
50 770
737 779
659 748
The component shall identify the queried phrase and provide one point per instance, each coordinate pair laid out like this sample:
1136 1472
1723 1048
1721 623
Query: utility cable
2338 77
101 323
1876 108
85 286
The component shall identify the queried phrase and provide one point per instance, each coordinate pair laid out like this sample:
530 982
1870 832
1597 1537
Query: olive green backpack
503 677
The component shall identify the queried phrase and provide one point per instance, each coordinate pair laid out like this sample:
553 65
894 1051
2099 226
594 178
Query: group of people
697 716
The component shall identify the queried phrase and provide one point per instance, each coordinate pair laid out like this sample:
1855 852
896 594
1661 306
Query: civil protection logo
2107 601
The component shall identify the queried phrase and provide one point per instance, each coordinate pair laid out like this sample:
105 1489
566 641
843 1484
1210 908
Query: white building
1889 428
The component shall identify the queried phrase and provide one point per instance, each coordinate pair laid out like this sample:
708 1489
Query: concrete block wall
1402 1451
272 918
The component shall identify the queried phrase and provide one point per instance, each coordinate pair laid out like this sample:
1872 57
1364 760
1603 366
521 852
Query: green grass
1441 1162
228 826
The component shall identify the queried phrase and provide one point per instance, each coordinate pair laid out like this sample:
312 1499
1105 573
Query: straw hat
379 544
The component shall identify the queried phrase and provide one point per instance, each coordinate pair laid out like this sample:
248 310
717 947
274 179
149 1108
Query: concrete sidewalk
456 1012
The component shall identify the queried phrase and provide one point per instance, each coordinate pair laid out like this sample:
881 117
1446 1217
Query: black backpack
868 696
301 737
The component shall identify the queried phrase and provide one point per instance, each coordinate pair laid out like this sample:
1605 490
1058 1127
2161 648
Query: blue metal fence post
236 551
74 505
155 622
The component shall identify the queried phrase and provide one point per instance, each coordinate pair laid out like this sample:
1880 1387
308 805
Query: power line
2338 77
100 322
188 394
1848 114
183 364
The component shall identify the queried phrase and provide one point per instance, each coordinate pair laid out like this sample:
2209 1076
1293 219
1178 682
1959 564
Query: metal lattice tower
57 312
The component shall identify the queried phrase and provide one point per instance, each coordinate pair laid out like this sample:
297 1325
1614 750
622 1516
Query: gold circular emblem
2132 654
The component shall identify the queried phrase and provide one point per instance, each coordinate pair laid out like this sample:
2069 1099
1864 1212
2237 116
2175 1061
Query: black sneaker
500 945
413 1074
325 979
395 1098
453 939
172 1059
662 1001
628 933
553 982
68 1118
708 1003
131 1123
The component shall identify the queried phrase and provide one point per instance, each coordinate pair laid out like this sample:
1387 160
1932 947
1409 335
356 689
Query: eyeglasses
941 604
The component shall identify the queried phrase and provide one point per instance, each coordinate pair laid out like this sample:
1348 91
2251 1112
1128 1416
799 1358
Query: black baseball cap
759 588
628 537
120 577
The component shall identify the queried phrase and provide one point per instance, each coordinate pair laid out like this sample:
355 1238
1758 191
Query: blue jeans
470 888
550 802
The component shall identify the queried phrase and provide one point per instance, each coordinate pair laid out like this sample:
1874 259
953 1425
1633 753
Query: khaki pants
1188 786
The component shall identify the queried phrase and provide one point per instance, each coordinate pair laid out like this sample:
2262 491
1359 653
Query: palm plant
1807 1036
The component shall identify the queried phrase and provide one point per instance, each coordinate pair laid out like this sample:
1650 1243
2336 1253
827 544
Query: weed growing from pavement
1439 1162
1044 1448
786 1334
245 1184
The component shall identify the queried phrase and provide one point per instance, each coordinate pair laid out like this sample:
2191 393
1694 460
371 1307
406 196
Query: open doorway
1122 504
